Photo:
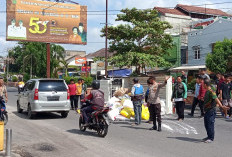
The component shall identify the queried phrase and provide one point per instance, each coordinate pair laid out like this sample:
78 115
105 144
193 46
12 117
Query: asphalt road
49 135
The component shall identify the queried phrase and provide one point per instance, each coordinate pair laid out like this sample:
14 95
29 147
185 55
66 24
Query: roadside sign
80 60
44 21
94 68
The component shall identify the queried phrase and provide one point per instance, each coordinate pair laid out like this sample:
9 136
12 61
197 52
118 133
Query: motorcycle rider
96 98
20 86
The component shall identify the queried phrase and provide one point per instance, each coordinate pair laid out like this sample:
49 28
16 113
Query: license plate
53 98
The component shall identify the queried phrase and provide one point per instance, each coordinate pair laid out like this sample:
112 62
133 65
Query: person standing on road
149 106
72 89
225 93
78 93
203 73
184 77
84 89
179 96
3 90
210 101
154 101
195 99
137 94
201 96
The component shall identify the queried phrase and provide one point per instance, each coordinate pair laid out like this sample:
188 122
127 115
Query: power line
117 10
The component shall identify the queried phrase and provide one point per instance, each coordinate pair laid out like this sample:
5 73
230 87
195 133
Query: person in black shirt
225 93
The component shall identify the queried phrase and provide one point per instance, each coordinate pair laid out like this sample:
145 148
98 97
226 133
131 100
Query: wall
217 31
174 53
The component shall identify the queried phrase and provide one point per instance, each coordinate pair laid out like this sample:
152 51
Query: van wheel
30 114
64 114
19 110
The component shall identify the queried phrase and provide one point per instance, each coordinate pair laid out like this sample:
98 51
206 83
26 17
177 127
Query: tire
30 114
103 128
64 114
5 118
19 110
81 123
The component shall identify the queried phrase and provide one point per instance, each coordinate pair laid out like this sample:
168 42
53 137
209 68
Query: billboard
44 21
80 60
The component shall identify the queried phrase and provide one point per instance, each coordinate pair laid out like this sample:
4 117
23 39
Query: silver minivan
44 95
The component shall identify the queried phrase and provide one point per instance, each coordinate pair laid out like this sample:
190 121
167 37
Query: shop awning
120 73
196 67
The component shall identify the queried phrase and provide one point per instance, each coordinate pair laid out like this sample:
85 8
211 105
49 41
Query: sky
96 22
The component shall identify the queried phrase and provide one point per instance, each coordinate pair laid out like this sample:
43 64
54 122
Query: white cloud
5 45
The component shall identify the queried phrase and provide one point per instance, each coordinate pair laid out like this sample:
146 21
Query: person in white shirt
12 29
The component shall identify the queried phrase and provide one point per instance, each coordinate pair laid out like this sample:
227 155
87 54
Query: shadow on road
135 127
79 132
119 122
187 139
38 116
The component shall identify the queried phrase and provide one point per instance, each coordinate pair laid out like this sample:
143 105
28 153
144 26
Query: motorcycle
98 121
20 88
3 112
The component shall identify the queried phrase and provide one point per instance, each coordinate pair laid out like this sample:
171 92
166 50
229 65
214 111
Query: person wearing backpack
179 96
137 94
96 98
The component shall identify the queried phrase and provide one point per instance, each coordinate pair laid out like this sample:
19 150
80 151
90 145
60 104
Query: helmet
96 84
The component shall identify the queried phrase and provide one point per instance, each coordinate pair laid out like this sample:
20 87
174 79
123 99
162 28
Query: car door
25 95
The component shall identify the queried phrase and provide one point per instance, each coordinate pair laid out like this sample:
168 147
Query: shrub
191 85
88 80
14 79
26 77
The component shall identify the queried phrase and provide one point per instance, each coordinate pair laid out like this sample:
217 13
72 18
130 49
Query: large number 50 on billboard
43 21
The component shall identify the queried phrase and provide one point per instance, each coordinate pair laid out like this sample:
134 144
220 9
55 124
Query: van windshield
52 85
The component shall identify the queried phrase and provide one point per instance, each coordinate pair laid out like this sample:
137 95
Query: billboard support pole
106 56
48 60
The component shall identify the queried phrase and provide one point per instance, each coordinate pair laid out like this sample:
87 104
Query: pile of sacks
121 107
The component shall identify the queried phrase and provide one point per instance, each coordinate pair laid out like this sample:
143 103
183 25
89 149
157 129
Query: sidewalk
2 154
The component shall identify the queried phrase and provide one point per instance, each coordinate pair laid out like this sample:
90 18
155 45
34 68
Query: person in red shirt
72 89
201 95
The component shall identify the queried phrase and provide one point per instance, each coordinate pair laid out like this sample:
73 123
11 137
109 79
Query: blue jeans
209 121
137 110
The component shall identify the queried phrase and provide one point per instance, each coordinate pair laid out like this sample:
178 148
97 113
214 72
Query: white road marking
179 127
167 127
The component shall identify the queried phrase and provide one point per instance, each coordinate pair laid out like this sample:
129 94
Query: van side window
31 85
26 86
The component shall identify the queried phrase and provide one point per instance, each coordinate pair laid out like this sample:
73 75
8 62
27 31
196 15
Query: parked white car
44 95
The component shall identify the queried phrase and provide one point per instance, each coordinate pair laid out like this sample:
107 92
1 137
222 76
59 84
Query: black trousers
73 101
156 110
194 104
150 113
180 109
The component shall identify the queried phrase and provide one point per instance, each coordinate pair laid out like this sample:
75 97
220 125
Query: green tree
141 41
219 61
35 54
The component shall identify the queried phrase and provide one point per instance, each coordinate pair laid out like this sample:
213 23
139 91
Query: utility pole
106 55
48 60
31 68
